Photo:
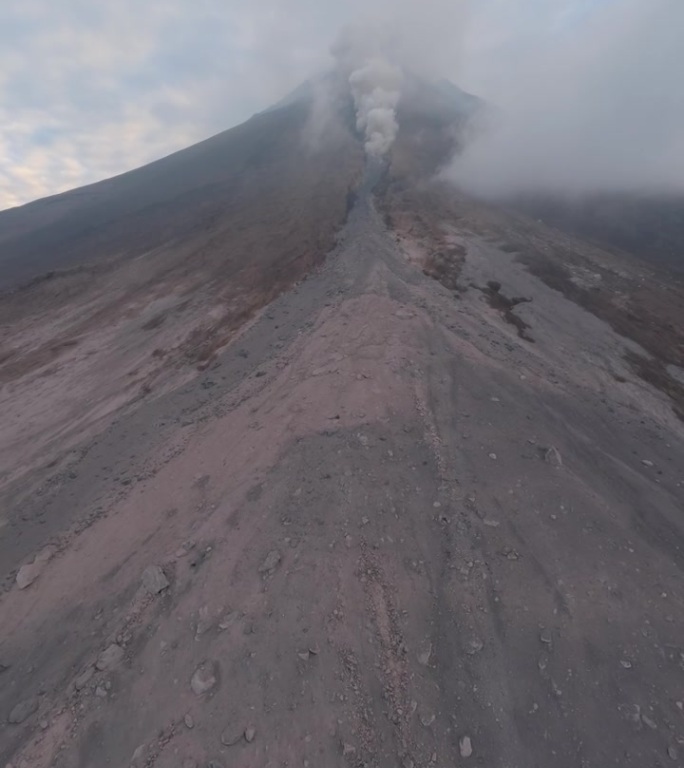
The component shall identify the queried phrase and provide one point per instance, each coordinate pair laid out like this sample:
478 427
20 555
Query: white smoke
375 83
376 88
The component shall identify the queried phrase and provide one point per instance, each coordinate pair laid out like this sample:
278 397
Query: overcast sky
91 88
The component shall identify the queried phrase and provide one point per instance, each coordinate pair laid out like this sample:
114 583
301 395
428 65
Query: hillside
308 459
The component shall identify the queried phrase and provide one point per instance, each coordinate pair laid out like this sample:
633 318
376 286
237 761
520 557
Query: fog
597 106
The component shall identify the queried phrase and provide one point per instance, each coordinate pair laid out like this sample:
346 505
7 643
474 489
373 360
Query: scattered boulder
250 733
154 579
424 656
189 722
110 657
23 710
29 572
271 562
475 646
82 680
465 746
232 734
139 757
203 679
553 457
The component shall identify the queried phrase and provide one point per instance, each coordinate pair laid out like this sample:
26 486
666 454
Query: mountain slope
420 510
181 197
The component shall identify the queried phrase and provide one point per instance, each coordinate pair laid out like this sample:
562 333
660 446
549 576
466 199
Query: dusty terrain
386 524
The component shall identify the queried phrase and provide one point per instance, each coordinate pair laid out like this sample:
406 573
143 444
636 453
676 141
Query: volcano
311 459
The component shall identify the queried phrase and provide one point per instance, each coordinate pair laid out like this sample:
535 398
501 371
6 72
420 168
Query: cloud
586 104
89 89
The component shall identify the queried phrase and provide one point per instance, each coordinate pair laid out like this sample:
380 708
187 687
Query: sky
92 88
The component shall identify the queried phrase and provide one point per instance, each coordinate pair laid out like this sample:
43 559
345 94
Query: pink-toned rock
29 572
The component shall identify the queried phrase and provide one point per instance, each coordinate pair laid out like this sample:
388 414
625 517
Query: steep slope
419 511
152 272
178 198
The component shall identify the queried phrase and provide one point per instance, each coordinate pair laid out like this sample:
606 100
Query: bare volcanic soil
384 525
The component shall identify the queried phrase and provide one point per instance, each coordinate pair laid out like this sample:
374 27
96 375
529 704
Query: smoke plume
364 58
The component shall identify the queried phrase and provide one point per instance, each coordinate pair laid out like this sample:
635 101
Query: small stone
365 521
82 680
424 656
546 637
647 463
646 720
101 692
492 456
23 710
271 562
672 753
189 722
465 746
427 720
250 733
29 572
475 646
348 749
203 679
138 758
110 657
304 655
232 735
44 724
626 664
553 457
227 620
154 580
203 621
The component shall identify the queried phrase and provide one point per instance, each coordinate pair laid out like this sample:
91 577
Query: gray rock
23 710
101 692
271 562
672 753
475 646
110 657
553 457
424 656
82 680
232 735
465 746
31 571
204 679
189 722
250 733
138 757
227 620
546 637
203 621
154 580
